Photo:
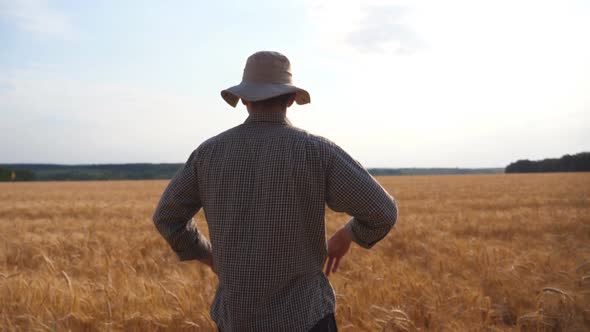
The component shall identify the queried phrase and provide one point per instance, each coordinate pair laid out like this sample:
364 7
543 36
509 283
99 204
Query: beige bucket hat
266 75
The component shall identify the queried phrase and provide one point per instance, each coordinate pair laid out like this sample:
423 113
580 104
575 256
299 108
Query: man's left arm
174 215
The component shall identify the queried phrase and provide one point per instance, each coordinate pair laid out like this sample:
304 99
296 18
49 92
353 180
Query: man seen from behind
263 186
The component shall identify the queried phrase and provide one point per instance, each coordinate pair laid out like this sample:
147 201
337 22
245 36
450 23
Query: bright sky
457 83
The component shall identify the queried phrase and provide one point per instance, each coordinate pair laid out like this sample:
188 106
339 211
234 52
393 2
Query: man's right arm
351 189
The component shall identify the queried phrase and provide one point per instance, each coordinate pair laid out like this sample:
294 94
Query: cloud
370 26
36 16
384 29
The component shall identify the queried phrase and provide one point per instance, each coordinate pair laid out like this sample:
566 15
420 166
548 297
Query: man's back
263 186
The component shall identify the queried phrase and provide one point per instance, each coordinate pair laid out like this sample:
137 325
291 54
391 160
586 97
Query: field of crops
469 253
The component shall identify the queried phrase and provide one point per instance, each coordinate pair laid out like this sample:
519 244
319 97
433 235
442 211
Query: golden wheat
469 253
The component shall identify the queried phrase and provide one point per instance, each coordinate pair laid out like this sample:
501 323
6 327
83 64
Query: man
263 186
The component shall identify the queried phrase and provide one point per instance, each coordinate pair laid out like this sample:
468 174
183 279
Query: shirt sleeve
174 215
351 189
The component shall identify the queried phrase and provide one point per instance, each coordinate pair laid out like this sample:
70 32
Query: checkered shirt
264 186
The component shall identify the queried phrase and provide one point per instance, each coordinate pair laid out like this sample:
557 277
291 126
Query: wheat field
469 253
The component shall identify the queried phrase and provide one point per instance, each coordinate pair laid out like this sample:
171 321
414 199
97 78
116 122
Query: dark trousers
326 324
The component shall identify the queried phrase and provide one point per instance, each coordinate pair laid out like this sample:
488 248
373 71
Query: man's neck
267 109
276 117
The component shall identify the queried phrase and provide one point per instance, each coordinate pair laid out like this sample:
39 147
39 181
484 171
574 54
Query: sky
423 83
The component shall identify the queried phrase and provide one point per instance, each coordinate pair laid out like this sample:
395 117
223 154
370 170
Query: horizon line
180 163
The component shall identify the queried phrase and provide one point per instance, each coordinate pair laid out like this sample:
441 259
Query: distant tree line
569 163
432 171
384 171
53 172
14 175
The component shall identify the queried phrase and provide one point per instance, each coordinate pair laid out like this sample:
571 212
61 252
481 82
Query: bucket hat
266 75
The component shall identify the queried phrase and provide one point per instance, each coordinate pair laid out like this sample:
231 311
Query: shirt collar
276 117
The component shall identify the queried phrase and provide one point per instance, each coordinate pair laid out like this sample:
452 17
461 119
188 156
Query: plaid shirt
263 186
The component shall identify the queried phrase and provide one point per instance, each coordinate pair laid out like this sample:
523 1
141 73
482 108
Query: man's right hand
338 246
